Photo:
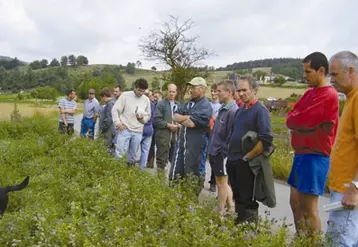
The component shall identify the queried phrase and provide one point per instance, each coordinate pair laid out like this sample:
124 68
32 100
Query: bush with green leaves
46 92
80 196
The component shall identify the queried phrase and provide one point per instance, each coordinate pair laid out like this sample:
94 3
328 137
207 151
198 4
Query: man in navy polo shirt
219 139
252 115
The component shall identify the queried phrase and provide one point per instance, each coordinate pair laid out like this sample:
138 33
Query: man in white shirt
130 112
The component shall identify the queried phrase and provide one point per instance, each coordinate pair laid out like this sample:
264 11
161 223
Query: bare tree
171 45
138 64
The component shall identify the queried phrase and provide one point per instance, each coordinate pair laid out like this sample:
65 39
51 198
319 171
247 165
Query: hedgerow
80 196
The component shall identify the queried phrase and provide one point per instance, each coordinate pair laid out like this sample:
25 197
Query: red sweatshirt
313 121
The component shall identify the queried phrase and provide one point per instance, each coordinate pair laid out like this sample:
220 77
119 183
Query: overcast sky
108 31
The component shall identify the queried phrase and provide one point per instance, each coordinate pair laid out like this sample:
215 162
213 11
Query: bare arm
63 115
180 118
69 111
258 149
188 123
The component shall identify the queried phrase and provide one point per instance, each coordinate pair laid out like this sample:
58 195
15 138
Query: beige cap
91 91
198 81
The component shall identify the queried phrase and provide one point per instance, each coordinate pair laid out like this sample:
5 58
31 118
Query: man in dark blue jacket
252 115
194 116
106 126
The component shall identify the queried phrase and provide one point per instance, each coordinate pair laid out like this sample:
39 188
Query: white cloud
109 31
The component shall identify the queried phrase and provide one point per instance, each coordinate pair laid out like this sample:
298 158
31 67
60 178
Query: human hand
121 127
350 199
172 127
139 117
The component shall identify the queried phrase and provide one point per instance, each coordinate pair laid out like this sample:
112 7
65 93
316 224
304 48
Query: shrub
80 196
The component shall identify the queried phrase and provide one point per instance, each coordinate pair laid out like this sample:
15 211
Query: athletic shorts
309 173
218 165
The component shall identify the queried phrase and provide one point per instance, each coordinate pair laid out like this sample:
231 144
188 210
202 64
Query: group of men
234 129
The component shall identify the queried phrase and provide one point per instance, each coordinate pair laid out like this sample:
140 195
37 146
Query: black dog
4 198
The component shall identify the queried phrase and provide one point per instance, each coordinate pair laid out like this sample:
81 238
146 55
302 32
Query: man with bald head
194 117
166 130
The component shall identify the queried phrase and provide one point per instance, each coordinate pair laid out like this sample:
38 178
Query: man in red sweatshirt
313 122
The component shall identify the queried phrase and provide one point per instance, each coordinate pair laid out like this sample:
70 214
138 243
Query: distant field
29 110
283 93
26 110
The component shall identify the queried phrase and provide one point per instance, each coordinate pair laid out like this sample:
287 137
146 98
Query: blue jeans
144 151
87 127
128 141
203 157
342 227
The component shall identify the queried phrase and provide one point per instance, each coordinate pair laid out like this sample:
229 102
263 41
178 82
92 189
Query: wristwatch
355 183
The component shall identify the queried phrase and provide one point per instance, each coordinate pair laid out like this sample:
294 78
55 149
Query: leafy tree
64 61
154 68
97 84
46 92
35 65
9 63
82 60
72 60
54 63
3 75
279 80
156 83
44 63
172 45
130 69
259 74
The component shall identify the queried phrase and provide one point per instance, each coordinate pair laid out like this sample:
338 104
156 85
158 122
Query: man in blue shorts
313 122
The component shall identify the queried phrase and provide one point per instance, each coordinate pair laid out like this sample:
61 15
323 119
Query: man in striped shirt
67 107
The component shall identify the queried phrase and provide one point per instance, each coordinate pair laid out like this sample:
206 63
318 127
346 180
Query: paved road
282 210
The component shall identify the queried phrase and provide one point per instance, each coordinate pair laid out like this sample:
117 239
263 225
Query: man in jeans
342 227
130 112
252 115
67 107
313 122
219 139
145 144
90 114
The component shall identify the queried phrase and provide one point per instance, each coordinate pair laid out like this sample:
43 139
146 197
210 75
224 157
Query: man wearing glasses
194 117
90 114
130 112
